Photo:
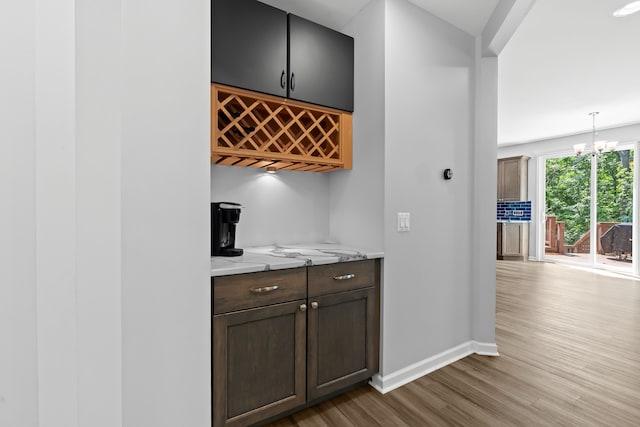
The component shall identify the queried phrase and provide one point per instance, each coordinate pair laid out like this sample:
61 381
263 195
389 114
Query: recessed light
630 8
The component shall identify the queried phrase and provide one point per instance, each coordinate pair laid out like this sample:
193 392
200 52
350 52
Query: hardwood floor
569 343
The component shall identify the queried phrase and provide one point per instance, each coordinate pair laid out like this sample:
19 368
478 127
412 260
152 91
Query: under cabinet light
271 169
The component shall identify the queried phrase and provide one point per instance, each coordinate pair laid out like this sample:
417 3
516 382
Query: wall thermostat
448 174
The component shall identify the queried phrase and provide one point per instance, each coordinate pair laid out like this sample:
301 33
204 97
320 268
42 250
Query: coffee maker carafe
224 217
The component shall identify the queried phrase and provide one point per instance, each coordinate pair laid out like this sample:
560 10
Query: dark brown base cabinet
341 345
284 338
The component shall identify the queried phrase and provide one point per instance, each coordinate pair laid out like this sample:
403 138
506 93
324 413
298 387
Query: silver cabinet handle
314 305
303 307
344 277
264 290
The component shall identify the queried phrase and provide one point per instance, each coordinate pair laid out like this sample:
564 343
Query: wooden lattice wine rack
262 131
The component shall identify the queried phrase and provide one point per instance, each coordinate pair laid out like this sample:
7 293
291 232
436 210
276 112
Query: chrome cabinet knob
303 307
314 305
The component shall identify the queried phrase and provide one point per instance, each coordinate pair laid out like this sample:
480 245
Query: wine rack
263 131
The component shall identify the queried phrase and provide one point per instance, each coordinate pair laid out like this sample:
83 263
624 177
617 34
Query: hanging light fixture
597 147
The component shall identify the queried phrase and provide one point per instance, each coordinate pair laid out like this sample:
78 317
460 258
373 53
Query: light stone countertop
266 258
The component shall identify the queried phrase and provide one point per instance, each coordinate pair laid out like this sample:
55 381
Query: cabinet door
342 346
515 242
249 46
320 65
512 179
512 239
259 360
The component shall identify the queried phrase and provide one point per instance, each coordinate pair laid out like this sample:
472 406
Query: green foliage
615 187
569 194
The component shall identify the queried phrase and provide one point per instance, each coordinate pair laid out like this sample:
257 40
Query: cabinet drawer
327 279
243 291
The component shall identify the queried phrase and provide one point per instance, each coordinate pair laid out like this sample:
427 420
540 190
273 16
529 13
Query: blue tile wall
514 211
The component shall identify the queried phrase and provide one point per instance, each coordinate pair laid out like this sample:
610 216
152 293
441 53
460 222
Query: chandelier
597 147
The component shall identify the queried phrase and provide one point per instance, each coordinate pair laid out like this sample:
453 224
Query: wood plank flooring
569 343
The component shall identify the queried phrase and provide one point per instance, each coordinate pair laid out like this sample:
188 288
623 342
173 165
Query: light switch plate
404 221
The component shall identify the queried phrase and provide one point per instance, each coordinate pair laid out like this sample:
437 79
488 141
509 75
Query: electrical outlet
404 221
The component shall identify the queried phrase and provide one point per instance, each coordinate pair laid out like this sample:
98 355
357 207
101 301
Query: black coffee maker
224 217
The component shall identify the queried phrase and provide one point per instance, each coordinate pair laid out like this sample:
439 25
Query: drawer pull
264 290
314 305
344 277
303 307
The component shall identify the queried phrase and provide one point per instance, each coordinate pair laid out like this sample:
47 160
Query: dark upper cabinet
249 46
320 64
257 47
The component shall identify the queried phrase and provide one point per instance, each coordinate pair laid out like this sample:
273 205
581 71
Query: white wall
555 147
105 296
98 150
484 201
286 207
166 297
18 322
357 196
56 232
429 93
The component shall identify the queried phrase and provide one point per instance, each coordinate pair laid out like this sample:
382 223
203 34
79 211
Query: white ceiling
567 58
468 15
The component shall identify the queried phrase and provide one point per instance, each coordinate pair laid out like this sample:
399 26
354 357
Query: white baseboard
485 348
412 372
